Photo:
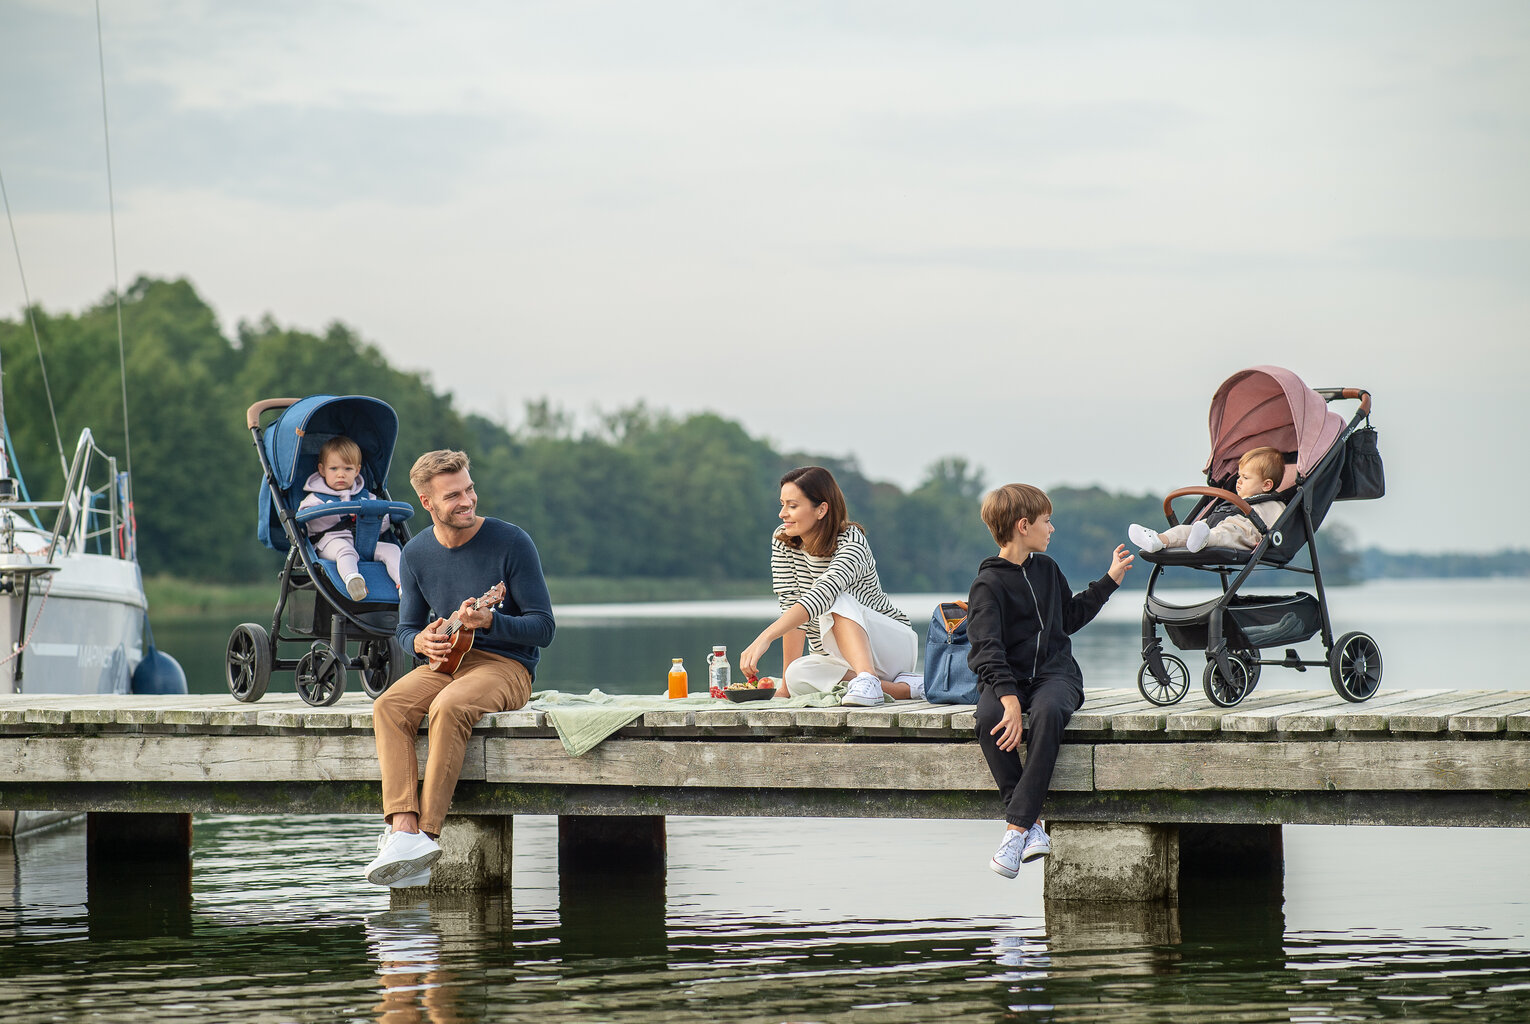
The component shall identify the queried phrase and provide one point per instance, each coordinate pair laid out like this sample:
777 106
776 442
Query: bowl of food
762 688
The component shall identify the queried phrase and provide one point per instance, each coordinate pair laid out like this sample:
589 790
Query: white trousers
894 649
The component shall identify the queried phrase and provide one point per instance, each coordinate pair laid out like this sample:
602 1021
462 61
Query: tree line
639 492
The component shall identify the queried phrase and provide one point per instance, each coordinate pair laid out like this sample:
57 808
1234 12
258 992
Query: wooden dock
1453 757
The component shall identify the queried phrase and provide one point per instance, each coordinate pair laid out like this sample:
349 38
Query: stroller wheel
1226 693
1162 692
247 662
383 663
320 677
1355 665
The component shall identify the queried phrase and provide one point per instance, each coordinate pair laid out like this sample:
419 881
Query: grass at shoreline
171 596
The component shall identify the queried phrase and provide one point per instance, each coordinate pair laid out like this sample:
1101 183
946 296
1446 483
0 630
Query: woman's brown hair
819 487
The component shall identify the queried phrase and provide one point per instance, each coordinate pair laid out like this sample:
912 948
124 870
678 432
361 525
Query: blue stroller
313 596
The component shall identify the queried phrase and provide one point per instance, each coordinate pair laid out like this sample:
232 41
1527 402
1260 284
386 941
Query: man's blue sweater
435 580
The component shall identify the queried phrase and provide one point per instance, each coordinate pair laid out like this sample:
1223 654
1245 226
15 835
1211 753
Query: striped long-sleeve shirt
814 581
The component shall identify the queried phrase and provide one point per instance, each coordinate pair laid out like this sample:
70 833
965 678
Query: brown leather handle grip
252 414
1363 395
1212 492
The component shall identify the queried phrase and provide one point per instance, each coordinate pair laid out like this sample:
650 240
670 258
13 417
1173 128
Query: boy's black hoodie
1019 618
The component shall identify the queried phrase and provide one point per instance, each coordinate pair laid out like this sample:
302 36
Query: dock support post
626 842
476 853
1112 861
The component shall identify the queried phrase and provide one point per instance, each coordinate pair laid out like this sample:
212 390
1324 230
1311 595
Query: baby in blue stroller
326 602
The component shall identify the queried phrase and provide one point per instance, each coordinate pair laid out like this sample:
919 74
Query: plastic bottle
718 674
677 680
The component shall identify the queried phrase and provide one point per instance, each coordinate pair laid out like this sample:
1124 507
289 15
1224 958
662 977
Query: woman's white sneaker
864 691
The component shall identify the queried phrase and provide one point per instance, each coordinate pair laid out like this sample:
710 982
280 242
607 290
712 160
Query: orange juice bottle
677 680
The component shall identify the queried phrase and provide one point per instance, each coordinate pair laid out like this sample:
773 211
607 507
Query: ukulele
461 636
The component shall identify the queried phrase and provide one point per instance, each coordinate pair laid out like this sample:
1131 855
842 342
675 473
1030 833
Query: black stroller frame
317 612
1233 628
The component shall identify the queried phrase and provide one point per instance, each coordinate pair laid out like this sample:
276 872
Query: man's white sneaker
1036 844
1006 859
864 691
413 881
401 855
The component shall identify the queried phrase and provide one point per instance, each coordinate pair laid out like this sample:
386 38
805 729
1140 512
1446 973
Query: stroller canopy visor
1267 405
294 439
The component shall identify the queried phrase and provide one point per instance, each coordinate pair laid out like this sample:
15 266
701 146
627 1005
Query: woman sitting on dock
825 579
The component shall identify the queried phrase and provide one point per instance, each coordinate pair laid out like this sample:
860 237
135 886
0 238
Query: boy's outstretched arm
1082 607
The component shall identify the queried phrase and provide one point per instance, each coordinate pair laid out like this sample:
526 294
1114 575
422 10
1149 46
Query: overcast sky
1035 235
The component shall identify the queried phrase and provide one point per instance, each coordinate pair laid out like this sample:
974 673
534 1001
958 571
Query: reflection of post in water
138 875
611 887
413 943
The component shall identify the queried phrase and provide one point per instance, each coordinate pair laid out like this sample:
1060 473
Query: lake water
796 919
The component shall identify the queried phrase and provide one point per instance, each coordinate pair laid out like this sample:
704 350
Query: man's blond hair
432 464
1007 505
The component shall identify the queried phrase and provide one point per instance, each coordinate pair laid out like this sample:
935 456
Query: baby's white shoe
1198 534
356 587
1145 539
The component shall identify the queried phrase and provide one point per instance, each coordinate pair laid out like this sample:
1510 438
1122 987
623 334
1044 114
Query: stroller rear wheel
247 662
1355 665
383 663
320 676
1160 691
1226 693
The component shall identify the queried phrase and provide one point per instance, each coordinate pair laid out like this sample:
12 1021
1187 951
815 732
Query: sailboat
72 605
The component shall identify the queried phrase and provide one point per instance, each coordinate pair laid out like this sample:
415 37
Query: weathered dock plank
1315 765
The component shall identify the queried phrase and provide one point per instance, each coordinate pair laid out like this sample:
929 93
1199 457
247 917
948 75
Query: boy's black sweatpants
1048 702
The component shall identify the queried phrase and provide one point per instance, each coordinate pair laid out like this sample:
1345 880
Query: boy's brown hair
1004 506
432 464
1266 463
342 448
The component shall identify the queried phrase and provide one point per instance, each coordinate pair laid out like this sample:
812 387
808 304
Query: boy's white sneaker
1145 539
1006 859
356 587
1198 534
864 691
402 855
1036 844
915 681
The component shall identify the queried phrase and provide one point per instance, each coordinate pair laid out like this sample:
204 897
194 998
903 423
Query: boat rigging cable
111 206
26 296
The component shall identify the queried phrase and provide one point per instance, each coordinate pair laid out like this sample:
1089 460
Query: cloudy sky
1035 235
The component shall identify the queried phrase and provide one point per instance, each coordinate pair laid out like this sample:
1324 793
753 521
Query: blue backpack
947 678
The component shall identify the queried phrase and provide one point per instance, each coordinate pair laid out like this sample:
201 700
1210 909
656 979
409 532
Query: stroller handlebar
1212 492
1331 394
252 414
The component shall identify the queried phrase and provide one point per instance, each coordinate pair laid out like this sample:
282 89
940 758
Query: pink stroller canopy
1267 405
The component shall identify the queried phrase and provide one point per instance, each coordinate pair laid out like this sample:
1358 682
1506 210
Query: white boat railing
78 513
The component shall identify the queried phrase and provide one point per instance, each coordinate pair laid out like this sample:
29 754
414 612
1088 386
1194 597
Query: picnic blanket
583 720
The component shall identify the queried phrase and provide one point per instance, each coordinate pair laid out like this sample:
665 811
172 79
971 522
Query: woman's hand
1009 728
749 657
1119 563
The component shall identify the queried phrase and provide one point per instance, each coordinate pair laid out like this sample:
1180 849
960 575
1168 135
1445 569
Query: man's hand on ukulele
481 618
432 644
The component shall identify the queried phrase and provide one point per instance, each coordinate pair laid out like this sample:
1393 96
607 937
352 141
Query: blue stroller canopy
292 442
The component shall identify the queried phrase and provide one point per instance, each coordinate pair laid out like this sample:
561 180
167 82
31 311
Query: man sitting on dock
444 571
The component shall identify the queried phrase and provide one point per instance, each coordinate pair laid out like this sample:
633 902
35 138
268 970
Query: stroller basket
1258 621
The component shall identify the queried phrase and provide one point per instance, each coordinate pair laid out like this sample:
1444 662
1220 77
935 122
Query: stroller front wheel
1223 692
1354 663
383 663
1163 692
320 677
